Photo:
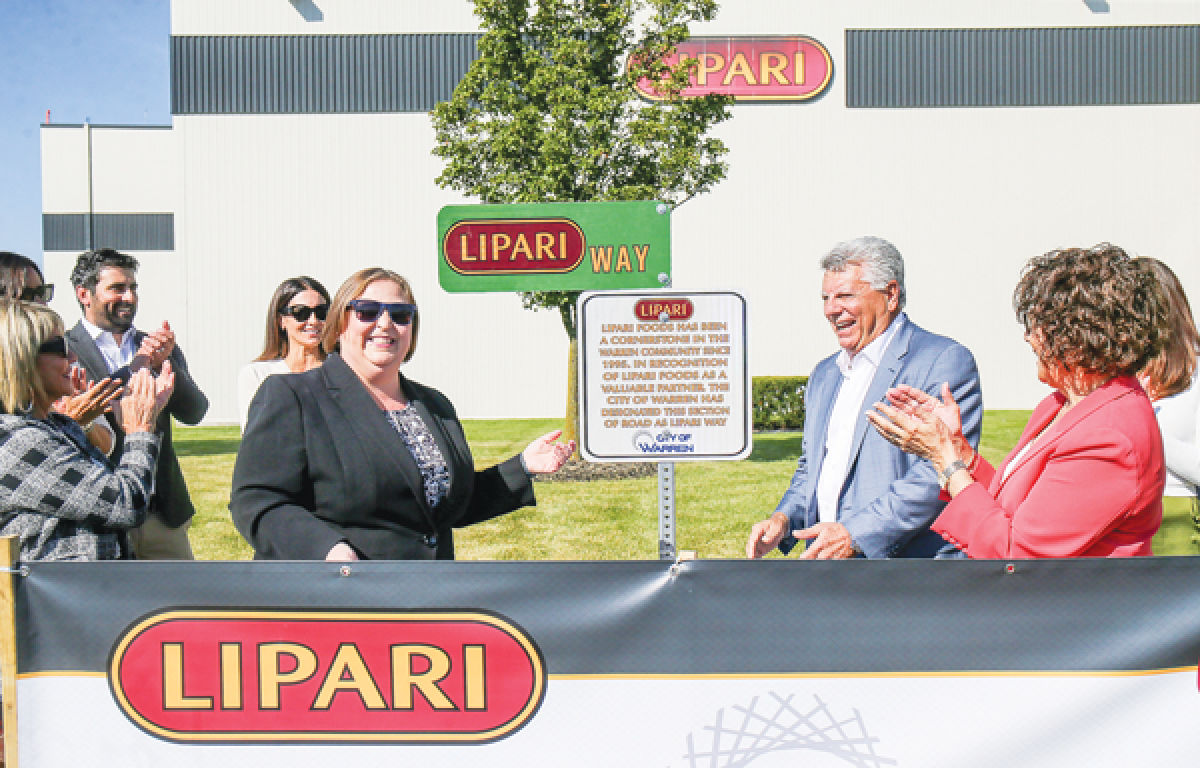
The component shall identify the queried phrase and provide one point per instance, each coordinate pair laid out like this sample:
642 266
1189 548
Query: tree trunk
571 425
567 314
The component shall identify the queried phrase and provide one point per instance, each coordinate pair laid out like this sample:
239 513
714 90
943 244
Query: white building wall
968 195
272 197
134 170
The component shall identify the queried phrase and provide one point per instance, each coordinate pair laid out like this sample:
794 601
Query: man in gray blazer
107 344
854 494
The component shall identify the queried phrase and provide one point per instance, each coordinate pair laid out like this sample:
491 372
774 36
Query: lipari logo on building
554 246
310 676
785 68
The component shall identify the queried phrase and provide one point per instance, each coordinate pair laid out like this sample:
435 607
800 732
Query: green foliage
778 402
548 112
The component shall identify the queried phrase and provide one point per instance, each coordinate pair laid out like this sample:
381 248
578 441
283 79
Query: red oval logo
514 246
308 676
652 310
793 68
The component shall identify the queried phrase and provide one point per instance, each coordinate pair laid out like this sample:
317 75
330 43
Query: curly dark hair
1093 309
90 263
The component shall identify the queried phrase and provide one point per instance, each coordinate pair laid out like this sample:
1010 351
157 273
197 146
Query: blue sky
107 60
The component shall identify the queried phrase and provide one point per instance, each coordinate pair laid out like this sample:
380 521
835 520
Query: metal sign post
666 510
663 377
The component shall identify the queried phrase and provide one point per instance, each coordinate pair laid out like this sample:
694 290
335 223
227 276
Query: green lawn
717 502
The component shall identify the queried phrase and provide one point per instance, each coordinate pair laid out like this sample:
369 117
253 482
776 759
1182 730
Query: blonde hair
353 288
23 328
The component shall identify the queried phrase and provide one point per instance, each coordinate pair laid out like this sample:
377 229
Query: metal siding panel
293 74
1069 66
64 231
135 231
123 231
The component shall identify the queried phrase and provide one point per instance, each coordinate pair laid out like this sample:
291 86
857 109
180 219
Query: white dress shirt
250 378
115 357
857 374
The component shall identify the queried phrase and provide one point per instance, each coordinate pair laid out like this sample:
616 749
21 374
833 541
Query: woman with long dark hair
295 322
1170 380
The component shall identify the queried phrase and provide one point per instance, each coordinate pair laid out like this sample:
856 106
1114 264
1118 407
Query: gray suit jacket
889 498
171 502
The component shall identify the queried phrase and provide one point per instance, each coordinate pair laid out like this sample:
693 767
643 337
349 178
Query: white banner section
663 377
944 721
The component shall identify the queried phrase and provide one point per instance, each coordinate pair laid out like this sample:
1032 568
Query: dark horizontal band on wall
1070 66
300 74
122 231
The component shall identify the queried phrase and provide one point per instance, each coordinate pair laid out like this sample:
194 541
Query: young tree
548 113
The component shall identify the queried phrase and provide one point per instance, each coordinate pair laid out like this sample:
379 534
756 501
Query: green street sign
554 247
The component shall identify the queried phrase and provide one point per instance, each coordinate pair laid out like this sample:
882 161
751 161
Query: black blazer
171 502
321 463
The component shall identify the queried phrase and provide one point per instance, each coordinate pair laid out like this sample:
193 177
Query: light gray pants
155 541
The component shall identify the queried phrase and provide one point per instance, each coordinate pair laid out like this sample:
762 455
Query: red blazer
1091 487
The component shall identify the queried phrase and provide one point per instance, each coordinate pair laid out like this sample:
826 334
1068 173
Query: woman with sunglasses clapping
354 460
58 494
21 278
295 322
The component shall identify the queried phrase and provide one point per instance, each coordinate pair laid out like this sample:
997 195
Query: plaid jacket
59 495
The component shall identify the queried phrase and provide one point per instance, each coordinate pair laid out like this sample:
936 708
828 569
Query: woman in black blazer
353 460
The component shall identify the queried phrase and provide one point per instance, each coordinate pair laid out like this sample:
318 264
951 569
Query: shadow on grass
776 446
214 447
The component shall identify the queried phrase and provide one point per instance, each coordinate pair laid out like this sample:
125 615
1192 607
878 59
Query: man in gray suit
854 494
108 345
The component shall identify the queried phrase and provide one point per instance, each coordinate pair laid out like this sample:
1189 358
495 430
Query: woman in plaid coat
58 494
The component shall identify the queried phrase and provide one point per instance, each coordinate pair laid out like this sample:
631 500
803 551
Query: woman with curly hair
1170 380
1086 478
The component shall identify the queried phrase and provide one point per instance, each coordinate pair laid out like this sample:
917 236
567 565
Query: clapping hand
146 396
90 399
157 347
543 455
920 424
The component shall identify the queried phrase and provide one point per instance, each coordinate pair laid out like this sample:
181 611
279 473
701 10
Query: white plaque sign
663 376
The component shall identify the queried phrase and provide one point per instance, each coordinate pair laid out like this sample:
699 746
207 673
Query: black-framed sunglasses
43 292
367 311
56 346
301 313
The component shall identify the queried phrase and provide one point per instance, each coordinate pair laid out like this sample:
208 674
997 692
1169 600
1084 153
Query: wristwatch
948 472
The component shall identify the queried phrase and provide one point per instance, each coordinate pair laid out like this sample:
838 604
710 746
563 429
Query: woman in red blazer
1087 475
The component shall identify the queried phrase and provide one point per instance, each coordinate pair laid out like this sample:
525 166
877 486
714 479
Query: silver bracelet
948 472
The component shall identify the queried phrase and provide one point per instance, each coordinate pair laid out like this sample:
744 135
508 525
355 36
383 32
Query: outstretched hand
543 455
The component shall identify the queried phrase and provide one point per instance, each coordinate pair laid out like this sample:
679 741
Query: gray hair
880 261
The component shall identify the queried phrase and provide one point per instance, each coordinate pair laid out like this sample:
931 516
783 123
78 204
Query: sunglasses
368 311
44 292
301 313
56 346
